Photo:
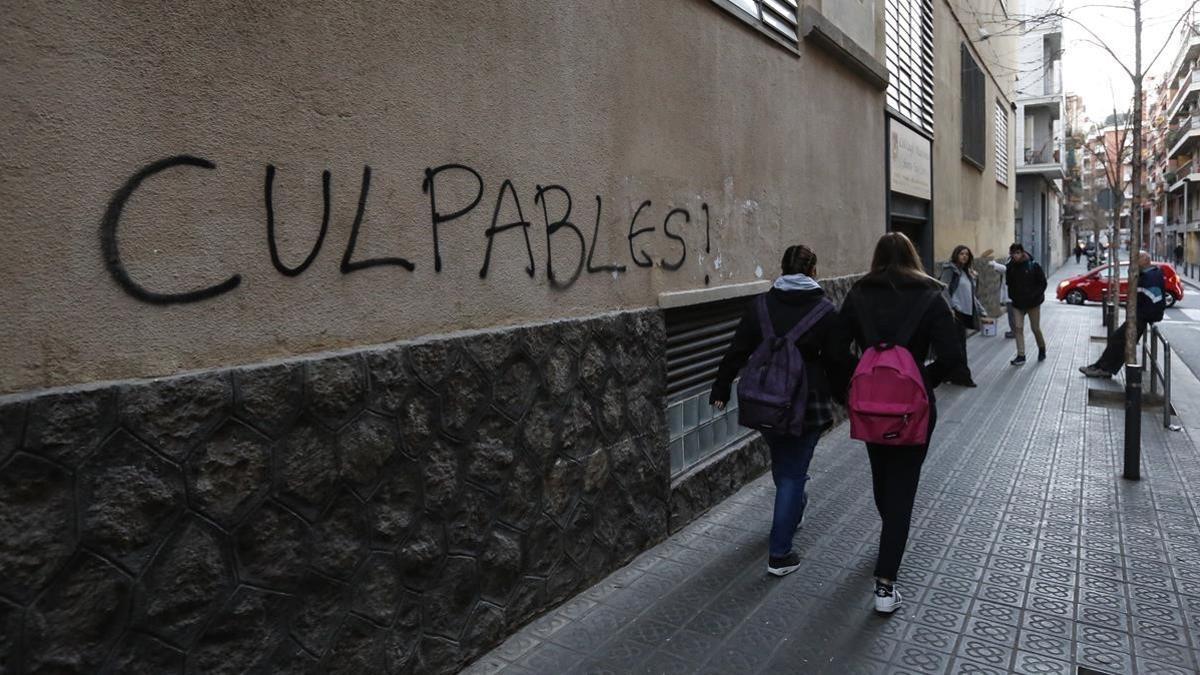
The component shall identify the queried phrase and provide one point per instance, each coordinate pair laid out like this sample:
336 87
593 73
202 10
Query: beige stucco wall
970 206
672 101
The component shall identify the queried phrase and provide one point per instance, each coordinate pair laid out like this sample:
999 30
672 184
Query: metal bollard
1152 364
1133 422
1166 385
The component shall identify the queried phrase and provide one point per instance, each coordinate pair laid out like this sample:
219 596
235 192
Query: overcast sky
1090 72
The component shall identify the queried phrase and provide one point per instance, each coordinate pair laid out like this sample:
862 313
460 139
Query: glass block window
779 17
697 338
698 430
908 40
1001 143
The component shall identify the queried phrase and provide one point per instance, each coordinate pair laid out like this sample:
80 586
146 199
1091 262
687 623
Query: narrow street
1028 553
1182 326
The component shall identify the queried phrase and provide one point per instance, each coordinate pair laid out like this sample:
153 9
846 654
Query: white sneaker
887 598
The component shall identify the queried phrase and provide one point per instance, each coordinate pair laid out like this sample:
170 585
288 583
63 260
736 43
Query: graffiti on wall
562 233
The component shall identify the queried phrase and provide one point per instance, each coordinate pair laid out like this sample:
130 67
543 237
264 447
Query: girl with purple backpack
794 307
894 314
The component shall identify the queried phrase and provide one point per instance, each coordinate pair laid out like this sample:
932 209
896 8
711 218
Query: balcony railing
1046 154
1174 136
1185 86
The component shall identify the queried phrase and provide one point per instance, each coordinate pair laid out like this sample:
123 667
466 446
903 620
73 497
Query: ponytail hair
798 259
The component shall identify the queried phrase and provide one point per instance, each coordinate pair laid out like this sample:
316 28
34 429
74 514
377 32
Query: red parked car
1093 285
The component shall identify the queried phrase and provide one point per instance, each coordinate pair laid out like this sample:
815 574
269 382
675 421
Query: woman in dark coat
886 298
827 364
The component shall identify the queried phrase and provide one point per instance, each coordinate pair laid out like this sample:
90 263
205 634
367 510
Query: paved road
1029 554
1181 327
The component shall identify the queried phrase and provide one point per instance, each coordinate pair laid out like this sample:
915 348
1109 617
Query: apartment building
1182 140
950 124
1041 164
359 334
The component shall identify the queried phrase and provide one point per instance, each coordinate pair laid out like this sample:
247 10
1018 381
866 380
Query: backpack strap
764 319
870 335
823 307
910 325
907 329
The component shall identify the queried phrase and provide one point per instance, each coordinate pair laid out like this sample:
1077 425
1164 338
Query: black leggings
895 474
963 323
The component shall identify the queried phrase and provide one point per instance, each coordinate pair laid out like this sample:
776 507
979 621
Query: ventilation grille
1001 143
697 338
779 16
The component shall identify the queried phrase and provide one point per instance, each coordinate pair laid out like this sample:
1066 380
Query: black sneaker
887 598
1019 361
1041 355
784 566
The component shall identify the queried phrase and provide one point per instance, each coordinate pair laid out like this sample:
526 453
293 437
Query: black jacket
889 302
1152 290
1026 284
826 358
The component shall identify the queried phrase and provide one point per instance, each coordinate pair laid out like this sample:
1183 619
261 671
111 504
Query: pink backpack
888 402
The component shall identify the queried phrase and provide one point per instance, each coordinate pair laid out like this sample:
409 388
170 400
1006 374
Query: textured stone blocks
397 509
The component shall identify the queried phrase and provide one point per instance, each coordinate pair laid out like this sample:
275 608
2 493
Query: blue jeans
790 457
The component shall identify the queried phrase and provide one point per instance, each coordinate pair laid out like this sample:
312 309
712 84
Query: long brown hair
896 259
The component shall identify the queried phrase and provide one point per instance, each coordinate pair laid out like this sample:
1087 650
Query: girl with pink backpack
894 314
791 350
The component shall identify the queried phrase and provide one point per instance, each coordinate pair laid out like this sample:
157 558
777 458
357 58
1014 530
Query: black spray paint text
554 201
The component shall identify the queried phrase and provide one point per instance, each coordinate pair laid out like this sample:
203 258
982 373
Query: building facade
1182 136
1041 166
950 125
352 337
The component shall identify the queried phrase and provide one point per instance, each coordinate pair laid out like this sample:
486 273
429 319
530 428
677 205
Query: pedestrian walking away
1027 290
1151 305
793 321
897 307
962 288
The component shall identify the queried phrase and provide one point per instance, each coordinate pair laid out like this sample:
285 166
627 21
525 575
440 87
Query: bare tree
1110 154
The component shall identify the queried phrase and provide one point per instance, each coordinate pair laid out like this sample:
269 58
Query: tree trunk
1135 208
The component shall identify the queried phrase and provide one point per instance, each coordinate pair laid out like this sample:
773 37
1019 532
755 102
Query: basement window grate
779 17
697 339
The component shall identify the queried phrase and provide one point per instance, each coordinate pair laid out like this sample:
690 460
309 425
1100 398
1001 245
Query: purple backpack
773 391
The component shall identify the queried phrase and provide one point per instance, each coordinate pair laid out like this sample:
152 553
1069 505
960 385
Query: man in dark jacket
1027 290
1151 303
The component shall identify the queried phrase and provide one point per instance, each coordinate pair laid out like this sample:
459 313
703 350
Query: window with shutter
1001 143
778 17
908 42
974 124
697 338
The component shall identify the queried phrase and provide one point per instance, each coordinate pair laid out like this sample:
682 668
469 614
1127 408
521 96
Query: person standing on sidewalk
1027 290
881 305
963 292
827 363
1151 305
1079 251
1178 254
